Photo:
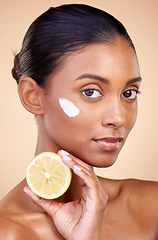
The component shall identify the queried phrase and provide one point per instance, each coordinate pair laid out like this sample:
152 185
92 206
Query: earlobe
30 95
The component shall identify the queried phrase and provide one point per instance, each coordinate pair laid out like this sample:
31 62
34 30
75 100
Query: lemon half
48 176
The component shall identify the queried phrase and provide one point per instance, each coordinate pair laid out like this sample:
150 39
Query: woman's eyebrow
93 76
133 80
105 80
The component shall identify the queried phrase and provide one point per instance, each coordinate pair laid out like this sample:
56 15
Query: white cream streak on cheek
68 107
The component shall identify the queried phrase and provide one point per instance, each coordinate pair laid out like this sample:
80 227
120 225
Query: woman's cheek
68 107
131 117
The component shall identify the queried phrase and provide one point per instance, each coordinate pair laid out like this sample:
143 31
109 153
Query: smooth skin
102 81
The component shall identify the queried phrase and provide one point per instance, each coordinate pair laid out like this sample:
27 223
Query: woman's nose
114 114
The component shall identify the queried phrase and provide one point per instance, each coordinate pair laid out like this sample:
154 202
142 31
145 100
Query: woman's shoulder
26 226
143 195
15 218
138 189
140 193
143 202
140 197
12 228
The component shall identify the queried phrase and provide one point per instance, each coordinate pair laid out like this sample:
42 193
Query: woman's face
101 83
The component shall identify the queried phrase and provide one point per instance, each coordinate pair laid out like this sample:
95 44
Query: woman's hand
81 219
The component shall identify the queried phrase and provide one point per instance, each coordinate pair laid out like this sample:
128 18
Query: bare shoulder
143 193
143 200
138 201
11 228
139 193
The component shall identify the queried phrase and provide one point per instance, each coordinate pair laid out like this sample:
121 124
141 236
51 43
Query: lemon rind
68 179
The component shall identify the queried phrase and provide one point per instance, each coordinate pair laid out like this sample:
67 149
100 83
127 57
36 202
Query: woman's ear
30 95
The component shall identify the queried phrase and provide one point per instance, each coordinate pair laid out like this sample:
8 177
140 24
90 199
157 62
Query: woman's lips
108 144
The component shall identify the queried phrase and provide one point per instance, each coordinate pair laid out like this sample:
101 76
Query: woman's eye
91 93
130 94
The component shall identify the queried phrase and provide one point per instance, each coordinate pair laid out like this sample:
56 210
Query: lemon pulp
48 176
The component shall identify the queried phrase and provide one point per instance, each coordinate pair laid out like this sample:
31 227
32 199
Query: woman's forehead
118 58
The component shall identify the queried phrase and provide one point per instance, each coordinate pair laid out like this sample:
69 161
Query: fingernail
26 190
77 168
32 195
66 158
63 152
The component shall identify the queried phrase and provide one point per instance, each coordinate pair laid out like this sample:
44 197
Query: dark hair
60 31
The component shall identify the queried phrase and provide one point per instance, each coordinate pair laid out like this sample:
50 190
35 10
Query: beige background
18 131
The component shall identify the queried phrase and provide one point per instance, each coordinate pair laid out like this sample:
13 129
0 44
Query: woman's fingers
75 163
90 184
83 215
64 153
49 206
81 169
85 173
92 190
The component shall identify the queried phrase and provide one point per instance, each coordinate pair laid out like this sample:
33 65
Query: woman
84 57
